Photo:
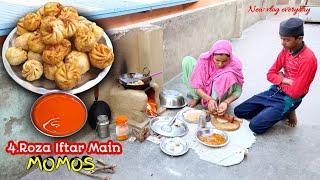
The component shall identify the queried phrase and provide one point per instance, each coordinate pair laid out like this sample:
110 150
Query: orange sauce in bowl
58 114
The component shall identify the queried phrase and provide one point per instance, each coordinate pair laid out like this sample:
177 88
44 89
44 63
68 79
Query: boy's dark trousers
267 108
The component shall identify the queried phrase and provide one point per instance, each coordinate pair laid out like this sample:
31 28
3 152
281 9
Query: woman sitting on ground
216 78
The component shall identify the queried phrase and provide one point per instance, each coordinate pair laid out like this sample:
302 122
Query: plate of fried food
212 137
56 49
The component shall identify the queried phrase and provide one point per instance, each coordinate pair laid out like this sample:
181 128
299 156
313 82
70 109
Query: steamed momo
50 70
97 31
68 12
20 27
67 76
101 56
32 70
84 39
71 26
31 21
35 43
52 30
22 41
53 54
16 55
52 9
80 59
35 56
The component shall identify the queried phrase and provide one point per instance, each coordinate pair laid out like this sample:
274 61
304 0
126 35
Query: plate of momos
56 49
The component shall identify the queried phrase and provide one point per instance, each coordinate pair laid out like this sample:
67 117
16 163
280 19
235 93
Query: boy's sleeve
305 76
272 74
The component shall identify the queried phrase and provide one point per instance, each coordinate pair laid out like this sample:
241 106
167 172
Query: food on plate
31 21
52 30
52 9
178 123
97 31
50 70
54 54
16 55
192 116
80 59
71 26
175 144
35 43
56 36
136 83
22 41
67 76
68 12
101 56
20 27
213 139
84 39
32 70
84 21
34 56
177 141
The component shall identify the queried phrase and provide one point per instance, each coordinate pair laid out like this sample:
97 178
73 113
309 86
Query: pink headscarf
206 74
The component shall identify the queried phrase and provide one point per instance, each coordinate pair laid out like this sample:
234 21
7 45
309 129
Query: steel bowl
207 132
81 123
172 99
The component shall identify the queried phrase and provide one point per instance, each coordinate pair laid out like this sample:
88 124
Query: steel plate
174 146
179 128
41 90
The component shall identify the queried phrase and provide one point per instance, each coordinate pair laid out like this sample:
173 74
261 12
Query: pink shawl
206 74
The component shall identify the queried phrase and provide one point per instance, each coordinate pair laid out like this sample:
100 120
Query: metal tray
174 146
157 122
36 86
210 131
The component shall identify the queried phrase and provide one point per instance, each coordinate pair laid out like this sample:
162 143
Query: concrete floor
281 153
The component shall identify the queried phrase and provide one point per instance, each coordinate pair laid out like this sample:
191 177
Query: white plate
174 146
40 89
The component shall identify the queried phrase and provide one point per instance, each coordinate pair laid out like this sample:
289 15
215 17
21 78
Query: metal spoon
167 127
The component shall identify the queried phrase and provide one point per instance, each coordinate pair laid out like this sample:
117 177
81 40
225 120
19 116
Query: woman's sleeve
236 90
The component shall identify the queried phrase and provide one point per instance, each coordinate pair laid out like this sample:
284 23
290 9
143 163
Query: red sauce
59 114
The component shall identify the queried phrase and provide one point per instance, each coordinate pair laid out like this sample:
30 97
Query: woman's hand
213 106
222 108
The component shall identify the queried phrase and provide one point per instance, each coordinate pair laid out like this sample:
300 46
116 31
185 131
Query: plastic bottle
122 128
